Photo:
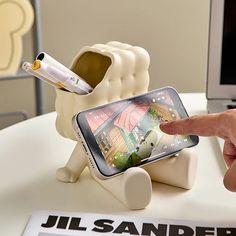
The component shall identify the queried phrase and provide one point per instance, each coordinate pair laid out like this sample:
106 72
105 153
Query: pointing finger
206 125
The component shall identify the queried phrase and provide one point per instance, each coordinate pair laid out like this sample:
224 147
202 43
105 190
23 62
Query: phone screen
126 133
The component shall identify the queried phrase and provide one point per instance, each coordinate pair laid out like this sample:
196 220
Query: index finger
205 125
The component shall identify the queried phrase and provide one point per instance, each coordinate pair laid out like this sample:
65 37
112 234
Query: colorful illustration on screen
128 133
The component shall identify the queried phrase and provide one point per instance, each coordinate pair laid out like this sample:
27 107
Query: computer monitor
221 74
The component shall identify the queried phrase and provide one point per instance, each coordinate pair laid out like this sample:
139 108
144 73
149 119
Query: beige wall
173 32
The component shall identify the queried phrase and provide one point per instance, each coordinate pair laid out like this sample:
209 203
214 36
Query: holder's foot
64 174
137 188
179 171
133 187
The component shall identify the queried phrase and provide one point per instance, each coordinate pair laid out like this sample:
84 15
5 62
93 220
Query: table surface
32 150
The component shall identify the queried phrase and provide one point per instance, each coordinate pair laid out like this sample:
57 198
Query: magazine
55 223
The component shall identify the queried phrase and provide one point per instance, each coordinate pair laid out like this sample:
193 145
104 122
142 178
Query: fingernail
164 124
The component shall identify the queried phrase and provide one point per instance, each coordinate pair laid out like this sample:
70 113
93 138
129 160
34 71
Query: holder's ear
17 18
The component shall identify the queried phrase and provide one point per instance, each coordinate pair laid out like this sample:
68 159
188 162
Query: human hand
219 124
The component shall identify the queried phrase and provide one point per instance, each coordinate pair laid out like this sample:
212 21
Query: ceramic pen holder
116 71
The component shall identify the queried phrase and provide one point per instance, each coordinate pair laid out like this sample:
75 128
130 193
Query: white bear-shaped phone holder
116 71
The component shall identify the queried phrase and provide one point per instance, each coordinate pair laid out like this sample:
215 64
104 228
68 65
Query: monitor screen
228 65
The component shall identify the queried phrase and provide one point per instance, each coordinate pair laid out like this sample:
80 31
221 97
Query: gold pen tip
36 65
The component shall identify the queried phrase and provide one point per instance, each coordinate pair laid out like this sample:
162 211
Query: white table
31 151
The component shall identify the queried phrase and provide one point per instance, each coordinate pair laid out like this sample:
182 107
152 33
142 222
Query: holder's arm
74 167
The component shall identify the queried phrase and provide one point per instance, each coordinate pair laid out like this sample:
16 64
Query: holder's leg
133 188
74 167
179 171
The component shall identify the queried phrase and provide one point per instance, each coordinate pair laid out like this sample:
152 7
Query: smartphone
126 133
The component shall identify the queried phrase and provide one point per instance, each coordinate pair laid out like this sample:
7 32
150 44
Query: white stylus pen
70 82
26 66
47 59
